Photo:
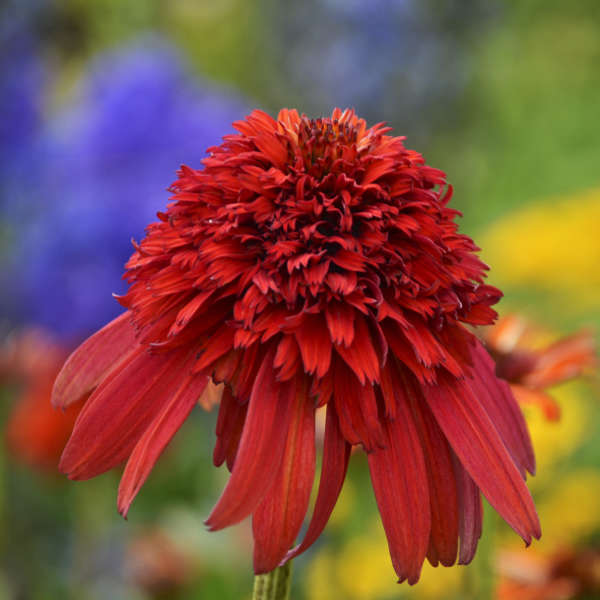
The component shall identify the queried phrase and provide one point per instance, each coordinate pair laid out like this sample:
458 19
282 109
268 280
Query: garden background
100 102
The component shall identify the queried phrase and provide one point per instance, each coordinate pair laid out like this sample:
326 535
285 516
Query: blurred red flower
567 574
35 432
310 263
529 370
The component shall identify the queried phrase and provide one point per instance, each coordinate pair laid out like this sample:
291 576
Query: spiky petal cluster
310 263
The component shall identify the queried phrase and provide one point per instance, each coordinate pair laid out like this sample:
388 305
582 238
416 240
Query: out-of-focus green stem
274 585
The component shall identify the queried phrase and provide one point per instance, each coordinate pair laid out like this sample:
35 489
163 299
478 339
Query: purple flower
100 178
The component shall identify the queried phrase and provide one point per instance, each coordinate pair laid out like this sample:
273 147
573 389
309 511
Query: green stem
274 585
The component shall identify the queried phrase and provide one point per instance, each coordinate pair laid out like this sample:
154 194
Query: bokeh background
101 101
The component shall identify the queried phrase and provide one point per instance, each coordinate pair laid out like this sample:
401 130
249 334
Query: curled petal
443 542
401 489
470 513
336 454
481 451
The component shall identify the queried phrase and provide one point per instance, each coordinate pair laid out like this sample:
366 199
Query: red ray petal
336 454
404 352
261 448
88 365
315 345
188 311
470 513
443 542
120 410
156 438
287 357
401 489
340 322
361 356
219 344
497 399
230 424
278 518
480 449
356 407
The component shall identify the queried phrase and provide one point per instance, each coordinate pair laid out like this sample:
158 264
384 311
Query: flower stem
274 585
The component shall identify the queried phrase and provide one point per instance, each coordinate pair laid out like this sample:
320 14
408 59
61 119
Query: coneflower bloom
311 263
530 370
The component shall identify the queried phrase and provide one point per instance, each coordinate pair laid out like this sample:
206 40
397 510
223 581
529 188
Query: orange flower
566 575
530 371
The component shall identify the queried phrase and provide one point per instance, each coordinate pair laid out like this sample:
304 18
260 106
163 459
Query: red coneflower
310 263
531 370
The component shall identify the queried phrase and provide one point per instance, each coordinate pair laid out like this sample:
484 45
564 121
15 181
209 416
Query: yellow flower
572 511
553 441
552 246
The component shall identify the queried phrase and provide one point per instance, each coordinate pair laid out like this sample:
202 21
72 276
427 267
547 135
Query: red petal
361 356
470 513
217 346
356 407
185 315
155 439
404 352
315 345
400 485
278 518
230 424
477 444
443 543
88 365
261 448
287 358
497 399
336 453
340 322
120 410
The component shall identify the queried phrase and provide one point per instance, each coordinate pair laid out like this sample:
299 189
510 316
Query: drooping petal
230 424
360 356
356 407
470 513
497 399
260 450
156 438
405 354
336 454
481 451
278 518
88 365
315 345
340 322
443 542
120 410
401 490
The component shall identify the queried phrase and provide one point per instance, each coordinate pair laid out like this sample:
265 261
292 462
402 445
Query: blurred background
100 102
